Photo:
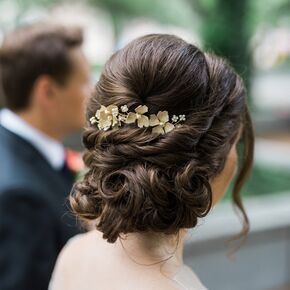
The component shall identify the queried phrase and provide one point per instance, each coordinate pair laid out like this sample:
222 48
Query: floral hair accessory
112 117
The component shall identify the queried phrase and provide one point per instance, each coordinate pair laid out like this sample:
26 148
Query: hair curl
142 182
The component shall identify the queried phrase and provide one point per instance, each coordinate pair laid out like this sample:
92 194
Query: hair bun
142 182
142 199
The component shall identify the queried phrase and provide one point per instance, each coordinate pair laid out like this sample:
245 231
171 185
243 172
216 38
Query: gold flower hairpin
112 117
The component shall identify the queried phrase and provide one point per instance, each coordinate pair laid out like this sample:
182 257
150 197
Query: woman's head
139 181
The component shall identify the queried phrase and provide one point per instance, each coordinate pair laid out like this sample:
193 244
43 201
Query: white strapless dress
187 279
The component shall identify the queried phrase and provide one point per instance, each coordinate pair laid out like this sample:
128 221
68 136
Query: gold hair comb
112 117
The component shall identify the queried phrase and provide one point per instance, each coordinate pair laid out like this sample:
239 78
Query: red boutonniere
74 161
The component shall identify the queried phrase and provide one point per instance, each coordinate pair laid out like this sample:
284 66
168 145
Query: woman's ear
221 183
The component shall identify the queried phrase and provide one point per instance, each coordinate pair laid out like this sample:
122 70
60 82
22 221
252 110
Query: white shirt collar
51 149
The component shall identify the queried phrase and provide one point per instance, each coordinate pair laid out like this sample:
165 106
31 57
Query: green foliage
25 4
175 12
268 12
208 5
224 31
265 180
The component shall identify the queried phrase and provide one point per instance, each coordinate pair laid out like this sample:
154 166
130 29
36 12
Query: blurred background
255 36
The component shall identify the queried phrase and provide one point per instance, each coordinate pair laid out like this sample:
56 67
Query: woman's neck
154 249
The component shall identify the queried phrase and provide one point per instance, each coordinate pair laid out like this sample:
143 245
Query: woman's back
89 263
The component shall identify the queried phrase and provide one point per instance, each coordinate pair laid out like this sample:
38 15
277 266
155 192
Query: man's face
70 99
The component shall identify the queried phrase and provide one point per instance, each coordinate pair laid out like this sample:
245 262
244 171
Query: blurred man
44 80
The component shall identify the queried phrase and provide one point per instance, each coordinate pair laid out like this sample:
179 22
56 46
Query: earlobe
221 183
44 89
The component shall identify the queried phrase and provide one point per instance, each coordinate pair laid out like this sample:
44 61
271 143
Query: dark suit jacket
34 220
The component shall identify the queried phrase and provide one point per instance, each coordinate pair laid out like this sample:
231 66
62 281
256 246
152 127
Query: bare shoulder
81 244
72 254
88 257
76 248
89 238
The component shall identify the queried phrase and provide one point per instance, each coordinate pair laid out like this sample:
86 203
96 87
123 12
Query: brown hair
143 182
32 51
